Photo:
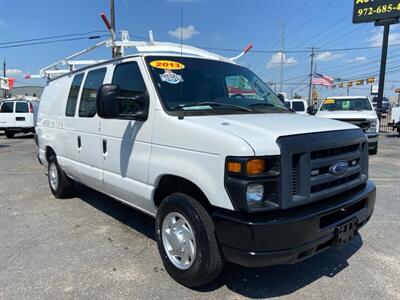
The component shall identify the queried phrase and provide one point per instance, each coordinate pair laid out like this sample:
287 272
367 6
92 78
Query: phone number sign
374 10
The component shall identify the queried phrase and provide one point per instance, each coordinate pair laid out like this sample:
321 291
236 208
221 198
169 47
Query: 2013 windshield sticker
167 65
171 77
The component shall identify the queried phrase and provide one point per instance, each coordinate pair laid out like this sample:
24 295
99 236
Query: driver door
127 143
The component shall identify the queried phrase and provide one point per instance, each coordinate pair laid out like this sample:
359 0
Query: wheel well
49 152
170 184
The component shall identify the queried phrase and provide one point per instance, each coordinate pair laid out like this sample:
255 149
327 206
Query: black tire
65 185
9 134
373 151
208 262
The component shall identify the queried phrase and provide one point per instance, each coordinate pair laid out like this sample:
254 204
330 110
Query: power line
297 51
52 42
311 18
298 10
326 29
54 37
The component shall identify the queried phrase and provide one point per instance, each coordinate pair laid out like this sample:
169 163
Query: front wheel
186 241
373 151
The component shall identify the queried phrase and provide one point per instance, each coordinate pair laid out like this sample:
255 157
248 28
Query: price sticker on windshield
167 65
329 101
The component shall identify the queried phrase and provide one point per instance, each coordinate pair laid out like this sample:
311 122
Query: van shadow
275 281
117 210
253 283
127 145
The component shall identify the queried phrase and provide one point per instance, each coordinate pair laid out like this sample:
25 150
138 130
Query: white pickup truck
357 110
205 146
18 116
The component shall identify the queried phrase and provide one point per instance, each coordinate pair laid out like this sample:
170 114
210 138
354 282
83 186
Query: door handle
104 146
79 142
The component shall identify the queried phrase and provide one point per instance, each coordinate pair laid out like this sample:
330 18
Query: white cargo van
357 110
228 176
18 116
298 105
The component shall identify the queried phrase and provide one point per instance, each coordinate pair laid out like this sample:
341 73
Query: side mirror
311 110
111 104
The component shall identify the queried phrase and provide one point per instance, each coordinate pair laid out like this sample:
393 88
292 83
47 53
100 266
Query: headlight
252 183
373 127
254 194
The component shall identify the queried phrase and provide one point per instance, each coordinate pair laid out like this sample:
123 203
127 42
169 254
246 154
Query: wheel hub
178 240
53 176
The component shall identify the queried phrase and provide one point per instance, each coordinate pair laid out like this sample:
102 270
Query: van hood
353 114
261 131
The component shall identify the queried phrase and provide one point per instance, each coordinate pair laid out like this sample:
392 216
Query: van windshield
332 104
200 86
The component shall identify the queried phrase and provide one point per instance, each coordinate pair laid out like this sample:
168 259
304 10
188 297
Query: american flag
320 79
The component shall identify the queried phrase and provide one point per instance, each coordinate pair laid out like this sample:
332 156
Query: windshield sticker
171 77
346 105
329 101
167 65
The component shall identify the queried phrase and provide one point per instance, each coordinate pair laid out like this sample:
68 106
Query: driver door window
130 81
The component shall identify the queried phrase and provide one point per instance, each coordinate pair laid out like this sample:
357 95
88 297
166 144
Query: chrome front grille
364 124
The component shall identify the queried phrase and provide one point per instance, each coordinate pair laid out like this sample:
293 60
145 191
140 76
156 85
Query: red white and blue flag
320 79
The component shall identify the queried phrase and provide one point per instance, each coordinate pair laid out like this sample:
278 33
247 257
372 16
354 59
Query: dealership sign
375 10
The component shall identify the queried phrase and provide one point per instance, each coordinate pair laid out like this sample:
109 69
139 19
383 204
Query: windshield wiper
213 104
261 104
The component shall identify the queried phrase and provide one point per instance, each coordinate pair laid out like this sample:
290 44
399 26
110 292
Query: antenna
181 29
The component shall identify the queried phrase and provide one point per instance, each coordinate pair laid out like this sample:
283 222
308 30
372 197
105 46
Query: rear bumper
292 236
18 129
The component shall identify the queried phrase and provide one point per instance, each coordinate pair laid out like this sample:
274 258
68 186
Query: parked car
18 116
357 110
228 177
298 105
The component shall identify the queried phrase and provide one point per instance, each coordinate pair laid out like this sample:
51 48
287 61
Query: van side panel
50 118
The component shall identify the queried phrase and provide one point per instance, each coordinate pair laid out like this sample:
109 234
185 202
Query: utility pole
112 14
4 75
310 91
282 54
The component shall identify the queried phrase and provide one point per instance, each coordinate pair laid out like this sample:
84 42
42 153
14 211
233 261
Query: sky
224 26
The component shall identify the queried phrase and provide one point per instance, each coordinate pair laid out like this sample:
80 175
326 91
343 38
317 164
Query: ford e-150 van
205 147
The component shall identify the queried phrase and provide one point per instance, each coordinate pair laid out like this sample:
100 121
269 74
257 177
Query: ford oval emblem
339 168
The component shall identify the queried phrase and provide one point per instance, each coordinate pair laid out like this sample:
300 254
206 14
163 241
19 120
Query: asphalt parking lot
93 247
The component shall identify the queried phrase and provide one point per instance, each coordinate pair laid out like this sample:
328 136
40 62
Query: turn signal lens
234 167
255 166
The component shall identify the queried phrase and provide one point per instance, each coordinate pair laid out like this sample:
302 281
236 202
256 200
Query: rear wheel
186 241
9 134
60 184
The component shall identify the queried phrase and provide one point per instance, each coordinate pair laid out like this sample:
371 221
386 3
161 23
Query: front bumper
290 236
372 140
